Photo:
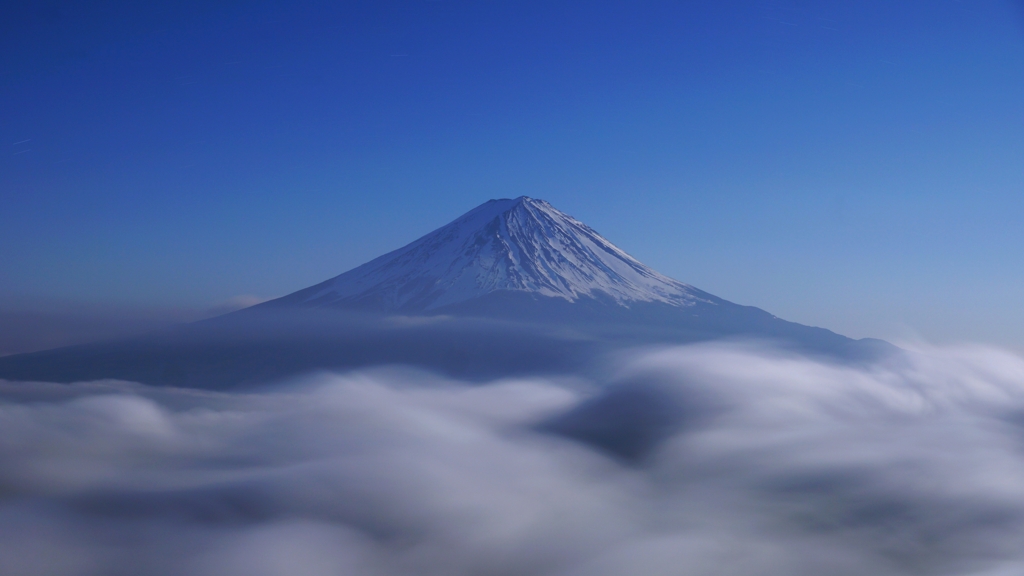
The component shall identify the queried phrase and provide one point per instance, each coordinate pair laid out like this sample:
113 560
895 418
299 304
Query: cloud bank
697 460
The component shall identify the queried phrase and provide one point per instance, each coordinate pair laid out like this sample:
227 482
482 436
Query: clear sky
853 165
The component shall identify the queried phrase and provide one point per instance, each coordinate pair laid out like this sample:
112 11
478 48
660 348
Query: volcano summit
521 246
512 286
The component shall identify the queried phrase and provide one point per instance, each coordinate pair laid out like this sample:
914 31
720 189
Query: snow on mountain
516 259
519 245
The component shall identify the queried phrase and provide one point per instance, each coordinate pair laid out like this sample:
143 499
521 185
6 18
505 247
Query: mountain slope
511 287
521 245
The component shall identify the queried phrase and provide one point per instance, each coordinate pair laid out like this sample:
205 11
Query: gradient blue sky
853 165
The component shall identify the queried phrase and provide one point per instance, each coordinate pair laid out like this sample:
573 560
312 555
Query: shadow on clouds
726 459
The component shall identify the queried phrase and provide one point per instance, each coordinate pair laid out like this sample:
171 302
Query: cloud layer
705 459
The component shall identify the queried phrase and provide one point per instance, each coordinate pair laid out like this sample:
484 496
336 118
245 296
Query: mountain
511 287
522 259
522 245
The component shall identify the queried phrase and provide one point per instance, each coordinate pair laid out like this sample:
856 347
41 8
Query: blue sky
853 165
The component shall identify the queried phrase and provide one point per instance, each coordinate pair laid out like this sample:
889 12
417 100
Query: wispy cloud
235 303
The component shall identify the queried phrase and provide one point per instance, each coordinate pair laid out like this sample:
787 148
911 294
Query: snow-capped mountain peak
518 245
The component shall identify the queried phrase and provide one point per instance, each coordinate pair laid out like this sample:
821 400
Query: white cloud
778 465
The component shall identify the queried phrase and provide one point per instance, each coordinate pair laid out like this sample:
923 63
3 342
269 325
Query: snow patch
522 244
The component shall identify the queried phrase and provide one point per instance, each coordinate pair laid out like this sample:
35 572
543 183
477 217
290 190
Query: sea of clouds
724 459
